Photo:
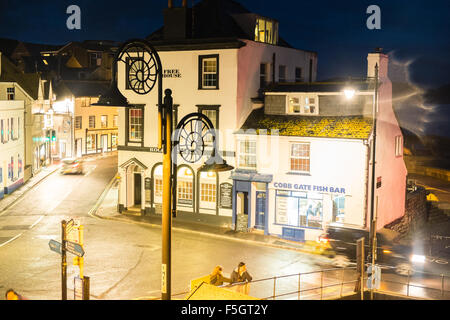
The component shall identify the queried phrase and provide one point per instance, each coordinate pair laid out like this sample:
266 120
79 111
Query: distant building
28 88
304 158
217 58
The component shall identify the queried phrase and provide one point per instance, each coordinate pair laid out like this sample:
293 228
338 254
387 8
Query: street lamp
190 138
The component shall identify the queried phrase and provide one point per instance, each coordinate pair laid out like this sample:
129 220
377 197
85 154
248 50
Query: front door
260 210
137 188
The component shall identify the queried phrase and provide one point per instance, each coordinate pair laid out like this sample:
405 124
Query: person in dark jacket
240 274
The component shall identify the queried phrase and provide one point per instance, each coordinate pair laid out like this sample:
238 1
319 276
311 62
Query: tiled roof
81 88
348 127
28 81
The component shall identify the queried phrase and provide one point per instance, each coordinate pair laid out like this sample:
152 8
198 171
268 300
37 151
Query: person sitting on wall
217 278
240 274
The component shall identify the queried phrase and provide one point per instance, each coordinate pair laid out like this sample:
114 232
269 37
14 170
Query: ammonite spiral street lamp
193 134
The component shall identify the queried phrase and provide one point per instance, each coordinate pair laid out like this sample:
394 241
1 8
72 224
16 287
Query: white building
12 148
213 66
304 159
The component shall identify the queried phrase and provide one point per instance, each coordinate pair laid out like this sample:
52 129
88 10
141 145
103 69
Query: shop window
114 141
298 209
91 142
208 192
184 192
338 209
158 187
300 157
247 154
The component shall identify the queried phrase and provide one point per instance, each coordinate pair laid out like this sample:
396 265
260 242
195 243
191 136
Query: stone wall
415 213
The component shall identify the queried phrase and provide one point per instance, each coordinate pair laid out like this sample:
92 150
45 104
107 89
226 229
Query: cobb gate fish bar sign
72 247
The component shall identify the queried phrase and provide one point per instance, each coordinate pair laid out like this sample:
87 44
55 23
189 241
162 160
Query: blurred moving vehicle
391 253
71 165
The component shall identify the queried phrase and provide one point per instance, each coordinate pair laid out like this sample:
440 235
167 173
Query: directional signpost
74 233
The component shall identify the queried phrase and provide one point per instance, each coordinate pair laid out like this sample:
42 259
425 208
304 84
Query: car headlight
418 258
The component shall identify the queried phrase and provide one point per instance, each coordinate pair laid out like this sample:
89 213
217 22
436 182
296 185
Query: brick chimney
377 57
177 21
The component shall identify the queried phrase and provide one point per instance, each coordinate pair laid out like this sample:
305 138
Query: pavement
438 187
106 208
12 198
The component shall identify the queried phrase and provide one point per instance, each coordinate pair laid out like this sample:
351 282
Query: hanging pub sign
225 192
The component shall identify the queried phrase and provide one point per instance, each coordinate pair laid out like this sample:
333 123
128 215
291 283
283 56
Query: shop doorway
104 143
260 210
78 150
242 211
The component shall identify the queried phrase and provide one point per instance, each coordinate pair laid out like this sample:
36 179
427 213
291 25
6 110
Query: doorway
104 143
137 188
78 150
260 210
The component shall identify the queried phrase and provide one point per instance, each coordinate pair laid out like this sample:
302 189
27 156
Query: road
123 260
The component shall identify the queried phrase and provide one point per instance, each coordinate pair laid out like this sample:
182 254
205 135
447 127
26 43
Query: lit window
95 59
104 121
209 72
91 142
302 104
266 31
398 146
135 124
115 121
300 157
158 187
208 192
184 192
247 154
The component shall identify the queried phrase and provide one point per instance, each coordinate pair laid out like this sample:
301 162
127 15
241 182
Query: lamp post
144 71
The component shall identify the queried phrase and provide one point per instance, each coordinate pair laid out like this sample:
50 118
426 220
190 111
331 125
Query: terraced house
304 157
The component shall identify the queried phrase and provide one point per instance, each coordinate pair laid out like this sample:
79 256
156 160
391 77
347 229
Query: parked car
391 253
71 165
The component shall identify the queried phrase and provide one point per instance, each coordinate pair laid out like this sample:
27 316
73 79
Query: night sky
414 31
416 34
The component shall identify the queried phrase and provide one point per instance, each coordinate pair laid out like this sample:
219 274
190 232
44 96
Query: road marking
37 221
10 240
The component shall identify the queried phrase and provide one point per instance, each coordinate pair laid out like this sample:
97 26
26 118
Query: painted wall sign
309 187
155 150
225 191
378 182
171 73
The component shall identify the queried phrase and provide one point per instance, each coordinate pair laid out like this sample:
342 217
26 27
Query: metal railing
336 283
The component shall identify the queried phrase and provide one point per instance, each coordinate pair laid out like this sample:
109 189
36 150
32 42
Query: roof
27 81
81 88
329 86
344 127
7 46
215 19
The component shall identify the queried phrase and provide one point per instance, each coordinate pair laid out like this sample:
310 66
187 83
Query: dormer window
302 104
266 31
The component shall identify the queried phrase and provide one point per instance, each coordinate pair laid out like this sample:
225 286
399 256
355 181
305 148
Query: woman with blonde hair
217 278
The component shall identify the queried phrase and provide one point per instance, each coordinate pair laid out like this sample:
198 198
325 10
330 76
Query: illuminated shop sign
309 187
